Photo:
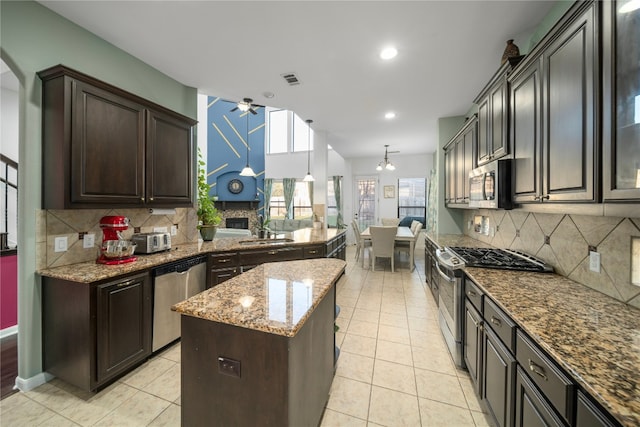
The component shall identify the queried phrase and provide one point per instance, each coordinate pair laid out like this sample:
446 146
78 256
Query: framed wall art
389 191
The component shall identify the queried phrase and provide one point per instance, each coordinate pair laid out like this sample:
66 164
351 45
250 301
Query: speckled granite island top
593 336
276 297
89 272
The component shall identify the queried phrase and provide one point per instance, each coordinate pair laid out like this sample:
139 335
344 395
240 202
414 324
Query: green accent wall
33 38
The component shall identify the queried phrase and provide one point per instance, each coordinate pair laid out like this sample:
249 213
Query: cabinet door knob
142 199
151 199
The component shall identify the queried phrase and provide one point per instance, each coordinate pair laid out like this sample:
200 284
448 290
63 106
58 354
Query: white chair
361 244
414 224
388 222
405 246
382 244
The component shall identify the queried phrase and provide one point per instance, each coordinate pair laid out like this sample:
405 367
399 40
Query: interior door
366 203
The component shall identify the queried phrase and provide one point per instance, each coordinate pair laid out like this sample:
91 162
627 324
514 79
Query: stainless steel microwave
490 186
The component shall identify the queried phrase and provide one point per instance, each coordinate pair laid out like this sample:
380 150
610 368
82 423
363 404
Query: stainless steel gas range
450 261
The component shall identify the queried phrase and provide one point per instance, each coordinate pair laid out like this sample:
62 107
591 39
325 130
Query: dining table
403 234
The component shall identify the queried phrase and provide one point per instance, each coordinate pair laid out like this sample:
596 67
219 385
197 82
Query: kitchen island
258 349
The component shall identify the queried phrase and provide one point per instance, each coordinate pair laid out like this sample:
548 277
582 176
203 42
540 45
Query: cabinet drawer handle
222 261
472 293
537 369
496 321
272 252
127 283
313 252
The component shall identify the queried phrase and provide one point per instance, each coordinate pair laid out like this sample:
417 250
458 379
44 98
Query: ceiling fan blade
252 111
234 108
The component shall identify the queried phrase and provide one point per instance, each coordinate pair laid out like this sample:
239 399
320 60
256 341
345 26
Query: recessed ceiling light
388 53
268 94
390 115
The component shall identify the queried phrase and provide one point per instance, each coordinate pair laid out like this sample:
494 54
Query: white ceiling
448 50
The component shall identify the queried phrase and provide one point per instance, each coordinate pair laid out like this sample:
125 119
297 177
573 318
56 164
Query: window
332 206
278 131
301 135
366 202
9 199
287 132
412 197
302 208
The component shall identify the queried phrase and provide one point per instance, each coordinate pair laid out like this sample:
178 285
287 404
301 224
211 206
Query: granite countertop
594 337
89 272
277 297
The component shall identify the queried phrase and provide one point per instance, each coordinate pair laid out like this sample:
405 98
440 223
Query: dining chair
382 244
361 244
405 246
388 222
414 224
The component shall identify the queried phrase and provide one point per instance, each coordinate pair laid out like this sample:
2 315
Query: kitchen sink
266 241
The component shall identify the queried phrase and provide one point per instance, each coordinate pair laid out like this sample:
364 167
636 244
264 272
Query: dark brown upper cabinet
621 103
493 119
554 116
459 160
105 147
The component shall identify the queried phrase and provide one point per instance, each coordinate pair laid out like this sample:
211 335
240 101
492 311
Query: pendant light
247 171
309 177
386 163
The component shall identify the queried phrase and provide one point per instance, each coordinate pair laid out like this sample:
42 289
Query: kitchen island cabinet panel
261 355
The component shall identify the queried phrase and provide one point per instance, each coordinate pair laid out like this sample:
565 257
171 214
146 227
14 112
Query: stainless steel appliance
173 283
490 185
148 243
451 301
449 262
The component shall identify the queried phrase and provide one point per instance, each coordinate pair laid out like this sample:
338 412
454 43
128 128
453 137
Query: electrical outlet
89 241
594 261
60 244
174 229
229 366
159 229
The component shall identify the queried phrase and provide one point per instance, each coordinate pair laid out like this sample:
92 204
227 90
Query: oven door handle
443 275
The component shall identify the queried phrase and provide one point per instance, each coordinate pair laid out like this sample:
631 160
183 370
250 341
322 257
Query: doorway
9 112
366 201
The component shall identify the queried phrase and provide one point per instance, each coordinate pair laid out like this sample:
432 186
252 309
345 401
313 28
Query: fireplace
237 223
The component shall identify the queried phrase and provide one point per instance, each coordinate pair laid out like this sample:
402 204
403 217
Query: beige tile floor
394 368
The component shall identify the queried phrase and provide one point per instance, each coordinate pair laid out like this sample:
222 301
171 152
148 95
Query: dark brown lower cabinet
532 410
217 276
94 332
123 325
473 345
499 367
589 415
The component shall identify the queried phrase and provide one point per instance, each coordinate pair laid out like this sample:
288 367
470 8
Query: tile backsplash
564 241
69 223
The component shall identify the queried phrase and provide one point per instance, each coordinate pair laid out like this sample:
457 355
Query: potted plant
208 216
263 227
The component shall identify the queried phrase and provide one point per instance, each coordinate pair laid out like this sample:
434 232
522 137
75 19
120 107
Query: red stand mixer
114 249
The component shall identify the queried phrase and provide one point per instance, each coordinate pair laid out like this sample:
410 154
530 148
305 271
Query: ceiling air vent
291 79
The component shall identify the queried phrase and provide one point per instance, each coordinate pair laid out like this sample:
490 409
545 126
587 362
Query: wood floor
8 365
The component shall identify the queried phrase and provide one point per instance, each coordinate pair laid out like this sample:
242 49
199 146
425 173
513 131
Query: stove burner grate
500 259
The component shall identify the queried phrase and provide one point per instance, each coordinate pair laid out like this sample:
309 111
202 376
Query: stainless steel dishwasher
173 283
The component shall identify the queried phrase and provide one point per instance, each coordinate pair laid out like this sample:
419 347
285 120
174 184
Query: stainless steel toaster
148 243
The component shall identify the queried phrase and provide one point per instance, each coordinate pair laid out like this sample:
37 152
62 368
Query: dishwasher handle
179 266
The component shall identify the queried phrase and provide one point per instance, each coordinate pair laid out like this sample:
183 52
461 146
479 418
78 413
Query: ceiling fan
385 163
245 105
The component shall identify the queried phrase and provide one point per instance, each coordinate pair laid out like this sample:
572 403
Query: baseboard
28 384
7 332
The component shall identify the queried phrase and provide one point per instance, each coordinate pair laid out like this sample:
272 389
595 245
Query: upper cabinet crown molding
105 147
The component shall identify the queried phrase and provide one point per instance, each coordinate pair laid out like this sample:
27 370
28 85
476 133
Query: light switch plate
89 240
60 244
174 230
635 260
594 261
